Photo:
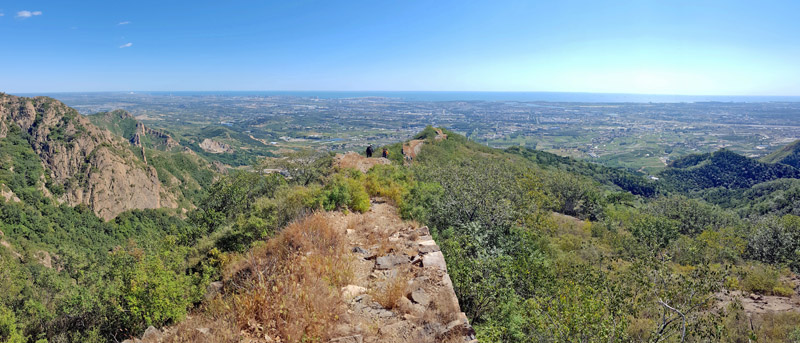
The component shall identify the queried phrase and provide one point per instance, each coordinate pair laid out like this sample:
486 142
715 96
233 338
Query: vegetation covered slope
788 155
722 168
637 270
537 251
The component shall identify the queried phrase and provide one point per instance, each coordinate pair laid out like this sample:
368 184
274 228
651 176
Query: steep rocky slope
356 278
84 164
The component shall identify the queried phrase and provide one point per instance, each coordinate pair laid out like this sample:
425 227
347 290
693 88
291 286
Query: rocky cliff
95 167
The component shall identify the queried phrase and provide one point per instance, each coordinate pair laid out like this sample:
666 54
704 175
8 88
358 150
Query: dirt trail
412 148
401 292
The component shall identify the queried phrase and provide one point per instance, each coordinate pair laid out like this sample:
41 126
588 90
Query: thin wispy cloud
2 14
126 45
28 14
124 23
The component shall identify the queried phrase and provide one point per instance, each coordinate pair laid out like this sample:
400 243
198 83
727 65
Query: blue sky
659 47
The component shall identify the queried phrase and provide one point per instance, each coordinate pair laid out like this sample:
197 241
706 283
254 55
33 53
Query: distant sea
485 96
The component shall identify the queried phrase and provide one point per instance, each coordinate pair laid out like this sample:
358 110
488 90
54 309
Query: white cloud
28 14
126 45
124 23
2 14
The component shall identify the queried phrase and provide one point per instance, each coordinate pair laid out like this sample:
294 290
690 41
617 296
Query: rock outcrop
7 194
214 147
96 168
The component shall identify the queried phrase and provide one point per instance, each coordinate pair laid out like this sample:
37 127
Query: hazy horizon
438 96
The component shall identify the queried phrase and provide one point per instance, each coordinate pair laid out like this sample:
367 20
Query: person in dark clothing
385 153
369 151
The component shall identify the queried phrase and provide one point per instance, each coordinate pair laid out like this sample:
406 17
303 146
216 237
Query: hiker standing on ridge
369 151
385 153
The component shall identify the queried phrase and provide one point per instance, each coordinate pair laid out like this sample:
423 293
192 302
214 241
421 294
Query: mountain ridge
83 163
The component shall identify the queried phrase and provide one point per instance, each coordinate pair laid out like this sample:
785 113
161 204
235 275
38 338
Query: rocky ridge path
412 148
402 292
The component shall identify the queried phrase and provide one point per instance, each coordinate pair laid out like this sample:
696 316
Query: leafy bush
693 216
389 181
302 167
149 289
574 195
345 192
9 332
764 279
654 232
776 241
234 194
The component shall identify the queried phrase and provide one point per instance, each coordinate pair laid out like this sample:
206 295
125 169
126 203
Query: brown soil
761 304
355 161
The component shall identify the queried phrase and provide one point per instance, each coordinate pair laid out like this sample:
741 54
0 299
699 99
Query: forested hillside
788 155
723 168
538 247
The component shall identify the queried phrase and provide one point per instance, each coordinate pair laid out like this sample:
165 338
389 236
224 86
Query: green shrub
345 192
654 232
149 289
776 241
9 331
389 181
763 279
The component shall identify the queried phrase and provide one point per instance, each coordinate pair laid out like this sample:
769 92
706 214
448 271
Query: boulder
424 231
428 246
435 260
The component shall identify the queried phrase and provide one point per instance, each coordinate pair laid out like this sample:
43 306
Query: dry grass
286 289
396 287
220 330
